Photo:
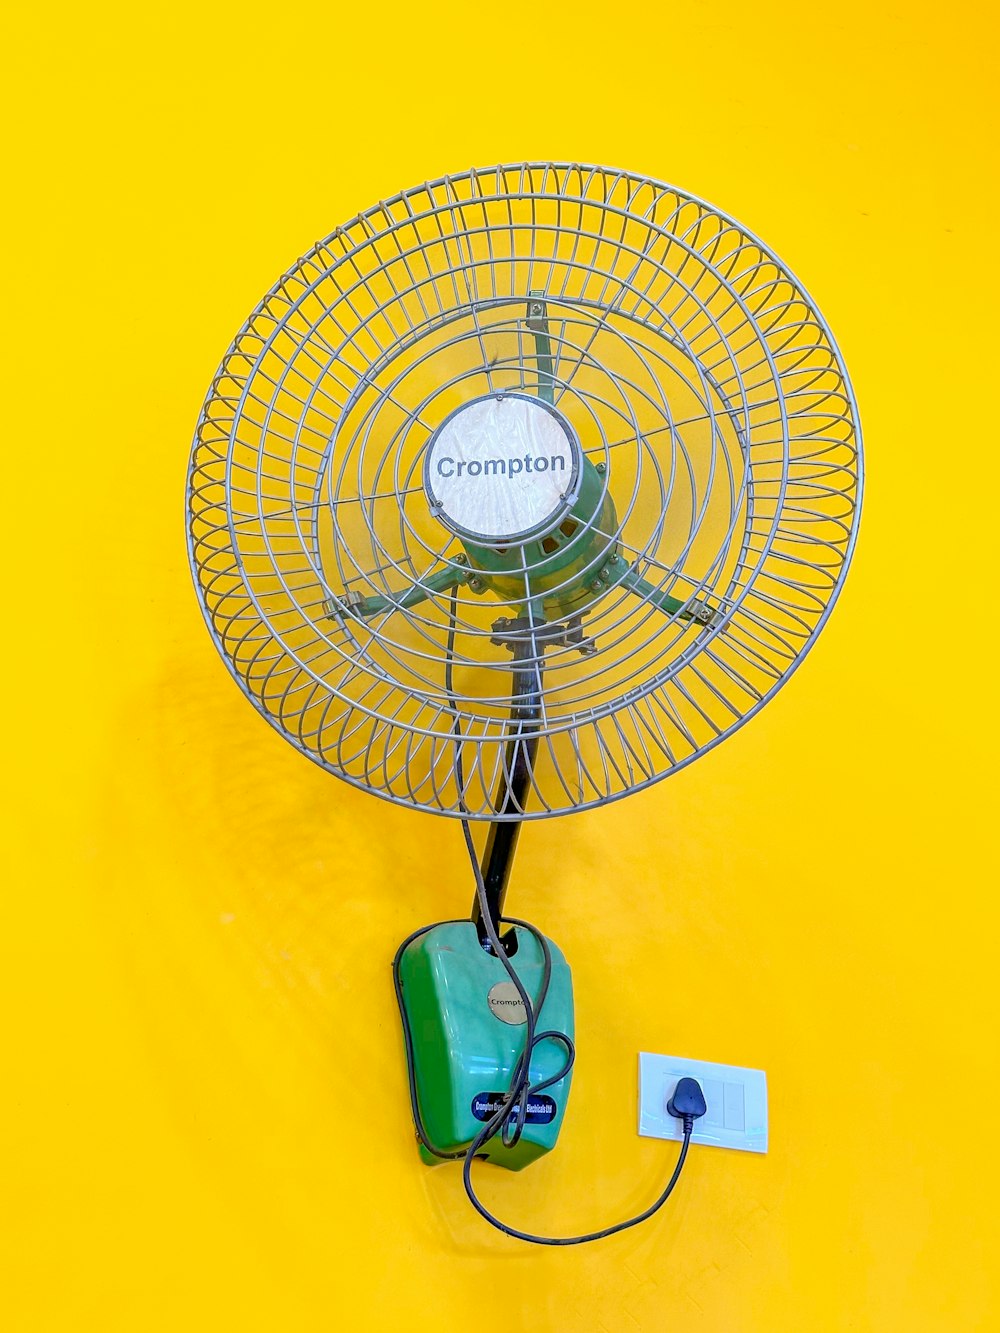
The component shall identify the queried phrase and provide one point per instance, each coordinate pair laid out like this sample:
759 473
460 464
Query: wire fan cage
700 381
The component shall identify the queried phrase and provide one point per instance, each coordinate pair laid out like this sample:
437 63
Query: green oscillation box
467 1026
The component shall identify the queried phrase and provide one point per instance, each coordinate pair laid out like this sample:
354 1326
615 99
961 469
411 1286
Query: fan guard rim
501 172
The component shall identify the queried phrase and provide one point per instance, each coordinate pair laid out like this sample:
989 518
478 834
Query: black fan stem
516 773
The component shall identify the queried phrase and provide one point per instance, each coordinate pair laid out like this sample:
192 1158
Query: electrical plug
687 1103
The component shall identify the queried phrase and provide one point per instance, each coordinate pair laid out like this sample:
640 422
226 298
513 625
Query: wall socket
736 1099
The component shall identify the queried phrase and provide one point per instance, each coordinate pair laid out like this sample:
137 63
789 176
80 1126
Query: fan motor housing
569 568
506 473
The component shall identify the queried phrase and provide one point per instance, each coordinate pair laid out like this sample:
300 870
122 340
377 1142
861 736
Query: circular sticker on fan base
506 1004
502 468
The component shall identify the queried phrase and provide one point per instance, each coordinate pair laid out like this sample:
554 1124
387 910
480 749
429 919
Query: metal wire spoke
712 415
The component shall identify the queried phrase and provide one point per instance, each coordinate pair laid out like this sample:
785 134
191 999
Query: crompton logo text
503 467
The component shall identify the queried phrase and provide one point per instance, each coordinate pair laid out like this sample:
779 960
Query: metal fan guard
708 392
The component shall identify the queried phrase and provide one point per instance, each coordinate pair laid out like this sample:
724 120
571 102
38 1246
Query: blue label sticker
541 1110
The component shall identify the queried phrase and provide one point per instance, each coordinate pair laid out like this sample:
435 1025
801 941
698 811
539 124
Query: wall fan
516 494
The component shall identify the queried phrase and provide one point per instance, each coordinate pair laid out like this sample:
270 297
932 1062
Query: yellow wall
203 1105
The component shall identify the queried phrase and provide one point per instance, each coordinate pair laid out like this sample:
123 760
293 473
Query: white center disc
504 467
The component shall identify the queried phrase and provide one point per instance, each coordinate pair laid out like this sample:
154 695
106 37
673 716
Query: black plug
687 1103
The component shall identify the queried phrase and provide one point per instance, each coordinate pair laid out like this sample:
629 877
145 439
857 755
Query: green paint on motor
467 1029
569 568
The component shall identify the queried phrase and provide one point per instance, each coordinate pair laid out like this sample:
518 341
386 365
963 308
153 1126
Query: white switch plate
736 1099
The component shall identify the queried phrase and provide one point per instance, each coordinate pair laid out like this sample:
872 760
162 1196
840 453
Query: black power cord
687 1102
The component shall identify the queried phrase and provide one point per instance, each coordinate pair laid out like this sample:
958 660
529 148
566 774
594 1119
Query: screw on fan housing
659 487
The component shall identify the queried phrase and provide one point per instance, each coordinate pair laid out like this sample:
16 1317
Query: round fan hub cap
502 468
